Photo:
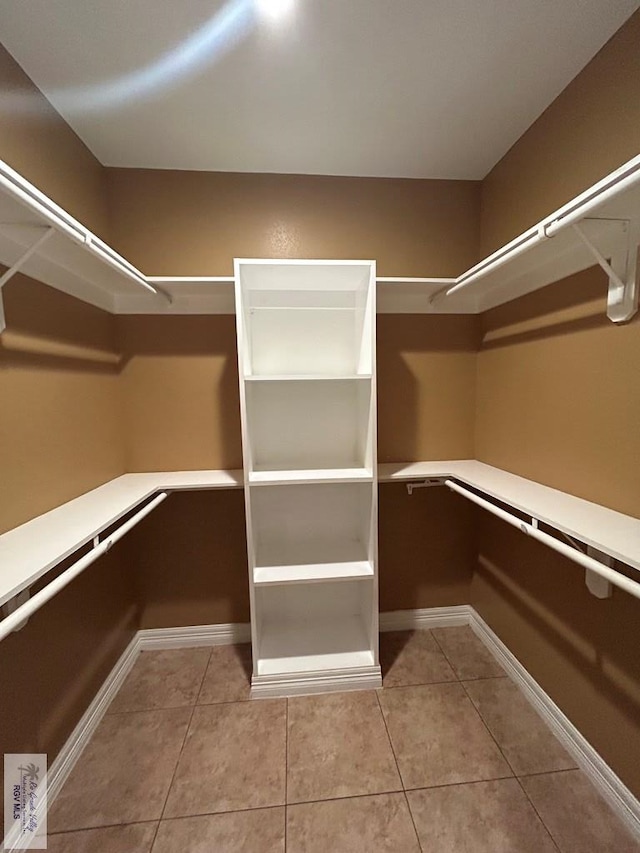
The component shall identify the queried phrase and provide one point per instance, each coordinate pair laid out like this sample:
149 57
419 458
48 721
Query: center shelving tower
306 358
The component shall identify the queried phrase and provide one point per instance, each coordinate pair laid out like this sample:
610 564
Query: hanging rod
615 578
24 611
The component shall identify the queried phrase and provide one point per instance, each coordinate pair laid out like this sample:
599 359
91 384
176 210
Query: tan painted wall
558 401
591 128
60 418
36 142
195 223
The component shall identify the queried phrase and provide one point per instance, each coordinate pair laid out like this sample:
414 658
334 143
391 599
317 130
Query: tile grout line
204 676
445 656
395 758
515 776
184 740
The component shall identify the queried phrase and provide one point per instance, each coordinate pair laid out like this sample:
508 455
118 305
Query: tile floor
446 758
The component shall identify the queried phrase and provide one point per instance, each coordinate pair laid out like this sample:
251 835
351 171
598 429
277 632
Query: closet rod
22 613
615 578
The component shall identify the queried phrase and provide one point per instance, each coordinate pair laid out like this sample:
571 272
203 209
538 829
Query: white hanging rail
24 611
615 578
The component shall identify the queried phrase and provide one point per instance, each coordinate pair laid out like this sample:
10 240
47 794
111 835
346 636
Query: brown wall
60 418
591 128
195 223
36 142
558 396
52 668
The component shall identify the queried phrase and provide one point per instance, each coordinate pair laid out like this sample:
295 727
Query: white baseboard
429 617
605 780
194 636
324 681
610 787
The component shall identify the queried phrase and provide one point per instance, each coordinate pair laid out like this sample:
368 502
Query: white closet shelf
27 552
312 573
76 261
609 531
307 377
319 644
311 475
73 259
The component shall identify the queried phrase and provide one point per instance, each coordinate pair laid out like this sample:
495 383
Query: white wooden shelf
310 475
76 261
314 645
307 377
611 532
27 552
312 572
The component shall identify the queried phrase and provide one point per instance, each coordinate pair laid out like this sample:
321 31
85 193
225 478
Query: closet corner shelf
27 552
611 532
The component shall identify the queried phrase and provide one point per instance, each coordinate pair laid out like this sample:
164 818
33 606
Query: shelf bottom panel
312 573
310 475
314 645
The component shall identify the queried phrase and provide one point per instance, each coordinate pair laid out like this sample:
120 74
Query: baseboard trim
430 617
324 681
611 788
192 637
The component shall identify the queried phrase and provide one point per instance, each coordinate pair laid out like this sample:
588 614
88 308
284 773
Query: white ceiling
406 88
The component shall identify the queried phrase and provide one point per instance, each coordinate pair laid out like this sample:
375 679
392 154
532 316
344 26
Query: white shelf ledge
311 475
612 532
307 377
27 552
314 645
312 572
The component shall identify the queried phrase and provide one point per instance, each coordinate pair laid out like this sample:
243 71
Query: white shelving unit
306 354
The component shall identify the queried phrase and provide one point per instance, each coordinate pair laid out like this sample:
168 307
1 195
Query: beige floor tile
480 817
438 736
132 838
338 747
412 657
466 653
576 816
169 678
380 824
125 771
233 758
526 741
256 831
228 676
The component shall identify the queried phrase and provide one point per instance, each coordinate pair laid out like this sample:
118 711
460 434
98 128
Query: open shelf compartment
309 425
312 533
315 627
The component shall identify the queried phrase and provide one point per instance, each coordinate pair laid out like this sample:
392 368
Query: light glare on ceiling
275 10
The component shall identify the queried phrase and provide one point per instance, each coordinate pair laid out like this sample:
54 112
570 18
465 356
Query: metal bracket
425 484
622 301
13 604
14 268
597 585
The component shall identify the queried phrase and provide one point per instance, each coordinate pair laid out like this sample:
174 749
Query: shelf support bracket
428 483
15 267
622 301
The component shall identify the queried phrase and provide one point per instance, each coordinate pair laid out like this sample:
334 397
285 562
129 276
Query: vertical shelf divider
306 364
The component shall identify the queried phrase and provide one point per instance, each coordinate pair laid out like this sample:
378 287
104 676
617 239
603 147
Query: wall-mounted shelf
76 261
29 551
73 259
